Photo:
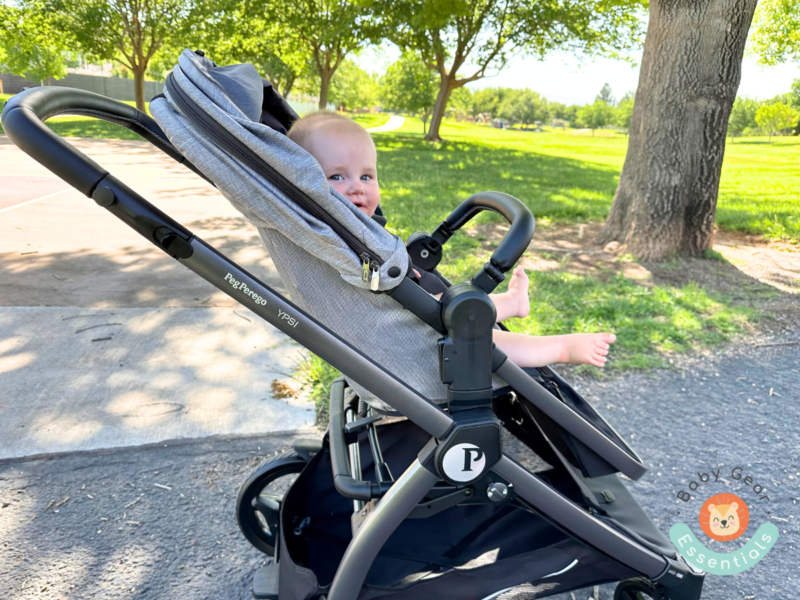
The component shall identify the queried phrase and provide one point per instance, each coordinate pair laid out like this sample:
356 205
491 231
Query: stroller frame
23 119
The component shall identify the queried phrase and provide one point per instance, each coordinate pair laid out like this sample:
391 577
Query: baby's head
346 153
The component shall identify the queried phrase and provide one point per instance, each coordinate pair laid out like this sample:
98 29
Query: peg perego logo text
242 286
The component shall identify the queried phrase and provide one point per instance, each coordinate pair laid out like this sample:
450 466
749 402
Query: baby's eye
336 177
366 177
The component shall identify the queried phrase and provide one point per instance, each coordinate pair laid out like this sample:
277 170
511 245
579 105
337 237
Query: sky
563 77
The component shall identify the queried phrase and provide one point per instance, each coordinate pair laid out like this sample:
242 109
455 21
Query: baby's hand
518 290
587 348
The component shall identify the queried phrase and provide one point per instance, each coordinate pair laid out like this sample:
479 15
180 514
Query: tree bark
666 199
445 89
138 86
325 84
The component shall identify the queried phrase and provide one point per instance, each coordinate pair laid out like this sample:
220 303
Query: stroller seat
431 505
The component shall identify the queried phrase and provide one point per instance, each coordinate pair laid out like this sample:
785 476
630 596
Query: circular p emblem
463 462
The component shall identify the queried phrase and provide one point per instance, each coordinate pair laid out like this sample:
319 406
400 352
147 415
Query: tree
481 35
773 118
460 102
30 44
666 199
129 32
794 101
776 38
353 88
743 116
776 31
568 113
597 115
606 95
524 106
487 101
409 86
244 36
794 95
624 112
329 30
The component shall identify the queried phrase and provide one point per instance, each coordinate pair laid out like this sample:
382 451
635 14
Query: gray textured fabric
321 273
231 96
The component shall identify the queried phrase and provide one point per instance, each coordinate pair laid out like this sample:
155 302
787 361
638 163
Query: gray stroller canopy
204 108
231 98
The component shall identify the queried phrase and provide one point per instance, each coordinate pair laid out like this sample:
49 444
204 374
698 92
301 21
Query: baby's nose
356 187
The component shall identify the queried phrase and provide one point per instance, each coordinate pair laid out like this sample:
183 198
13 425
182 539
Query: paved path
184 542
166 356
394 122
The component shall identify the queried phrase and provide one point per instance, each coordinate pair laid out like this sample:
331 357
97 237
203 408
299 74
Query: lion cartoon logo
724 517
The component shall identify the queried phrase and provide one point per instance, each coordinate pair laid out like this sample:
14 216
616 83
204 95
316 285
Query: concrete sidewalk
185 360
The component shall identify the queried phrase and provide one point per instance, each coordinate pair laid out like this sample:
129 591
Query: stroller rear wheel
258 506
637 589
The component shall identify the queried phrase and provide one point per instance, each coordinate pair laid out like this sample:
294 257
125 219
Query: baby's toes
608 338
598 361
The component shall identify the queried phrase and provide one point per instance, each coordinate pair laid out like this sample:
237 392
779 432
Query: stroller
411 493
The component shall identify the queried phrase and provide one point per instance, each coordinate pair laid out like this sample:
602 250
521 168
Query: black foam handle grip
520 234
23 121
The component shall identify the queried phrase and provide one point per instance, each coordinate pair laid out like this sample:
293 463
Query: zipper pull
365 267
376 278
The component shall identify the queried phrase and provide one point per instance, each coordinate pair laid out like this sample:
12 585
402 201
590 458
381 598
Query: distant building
559 123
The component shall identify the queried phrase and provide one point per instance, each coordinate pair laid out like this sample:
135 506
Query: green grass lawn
569 176
367 121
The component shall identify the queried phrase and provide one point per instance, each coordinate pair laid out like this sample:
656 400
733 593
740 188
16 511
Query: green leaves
597 115
776 31
773 118
30 43
523 106
409 86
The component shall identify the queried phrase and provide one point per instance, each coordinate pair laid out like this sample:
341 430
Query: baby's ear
734 506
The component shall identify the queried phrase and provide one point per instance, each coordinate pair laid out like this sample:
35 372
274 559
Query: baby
348 157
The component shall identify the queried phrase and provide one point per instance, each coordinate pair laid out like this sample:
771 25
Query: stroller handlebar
23 121
514 243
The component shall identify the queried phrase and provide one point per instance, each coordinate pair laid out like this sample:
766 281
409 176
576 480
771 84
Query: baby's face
348 157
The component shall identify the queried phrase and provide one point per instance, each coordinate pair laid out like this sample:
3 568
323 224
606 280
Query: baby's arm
539 351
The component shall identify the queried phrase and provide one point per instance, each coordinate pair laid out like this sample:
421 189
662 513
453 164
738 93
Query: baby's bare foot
587 348
518 290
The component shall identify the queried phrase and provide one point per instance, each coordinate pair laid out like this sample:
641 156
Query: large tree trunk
667 195
138 85
445 89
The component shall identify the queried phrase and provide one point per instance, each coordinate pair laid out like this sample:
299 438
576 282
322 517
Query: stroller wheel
258 506
637 588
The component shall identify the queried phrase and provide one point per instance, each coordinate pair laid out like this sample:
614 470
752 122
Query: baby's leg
514 302
538 351
587 348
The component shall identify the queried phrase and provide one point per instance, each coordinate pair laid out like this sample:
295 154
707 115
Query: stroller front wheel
259 503
637 588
